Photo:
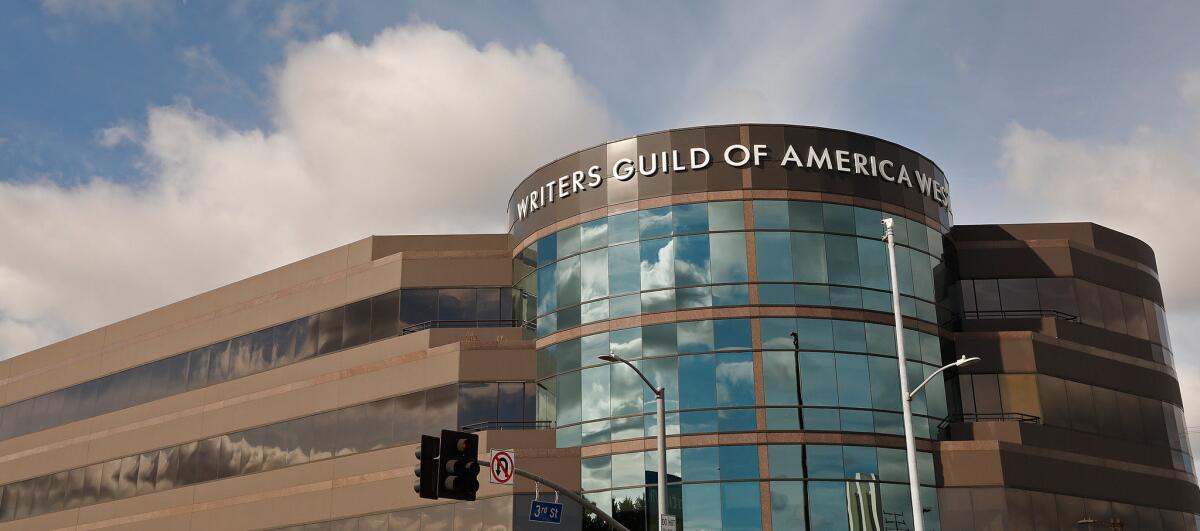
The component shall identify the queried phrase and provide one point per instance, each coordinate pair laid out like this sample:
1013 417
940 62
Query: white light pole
910 445
660 395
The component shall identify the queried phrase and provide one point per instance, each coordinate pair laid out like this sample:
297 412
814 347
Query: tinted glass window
356 329
385 314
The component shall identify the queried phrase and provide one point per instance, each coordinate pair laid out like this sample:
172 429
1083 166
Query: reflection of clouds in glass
627 348
658 299
594 274
594 311
593 234
658 272
734 379
656 221
691 260
695 336
728 257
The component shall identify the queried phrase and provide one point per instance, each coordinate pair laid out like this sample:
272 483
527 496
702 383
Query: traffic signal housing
459 470
426 484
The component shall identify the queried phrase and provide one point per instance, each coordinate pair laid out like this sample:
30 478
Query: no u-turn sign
504 466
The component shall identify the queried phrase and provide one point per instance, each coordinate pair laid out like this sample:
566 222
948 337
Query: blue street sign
548 512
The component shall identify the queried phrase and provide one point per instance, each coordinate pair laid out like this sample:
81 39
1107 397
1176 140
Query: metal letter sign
504 463
548 512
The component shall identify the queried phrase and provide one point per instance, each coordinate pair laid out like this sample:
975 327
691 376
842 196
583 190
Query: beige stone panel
313 267
64 375
360 251
138 510
374 481
267 513
271 409
381 276
458 272
5 370
130 441
498 364
275 482
61 351
434 370
42 463
55 520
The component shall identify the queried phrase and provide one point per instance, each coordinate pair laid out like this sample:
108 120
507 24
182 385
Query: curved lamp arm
658 391
958 363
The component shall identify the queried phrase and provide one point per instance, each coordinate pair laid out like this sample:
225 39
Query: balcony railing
1018 314
502 425
469 323
1010 416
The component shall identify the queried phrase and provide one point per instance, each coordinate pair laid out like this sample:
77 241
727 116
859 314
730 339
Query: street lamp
910 445
660 395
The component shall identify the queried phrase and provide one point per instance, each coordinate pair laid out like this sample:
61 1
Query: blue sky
179 146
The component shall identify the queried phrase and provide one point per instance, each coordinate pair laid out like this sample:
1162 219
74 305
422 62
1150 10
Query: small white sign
666 522
504 466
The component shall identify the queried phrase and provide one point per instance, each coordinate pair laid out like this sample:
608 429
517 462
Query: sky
151 150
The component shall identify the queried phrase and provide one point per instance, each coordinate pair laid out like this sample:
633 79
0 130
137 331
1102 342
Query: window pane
594 274
787 504
1018 294
477 403
458 305
702 507
623 227
779 373
774 256
808 257
385 315
356 328
655 222
547 250
726 215
740 508
873 266
819 379
624 274
841 254
417 306
728 252
593 234
698 373
805 215
690 218
735 379
329 330
568 241
851 374
657 264
691 260
1090 308
771 215
838 218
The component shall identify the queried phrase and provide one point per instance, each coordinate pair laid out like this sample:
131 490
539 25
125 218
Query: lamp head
965 360
610 357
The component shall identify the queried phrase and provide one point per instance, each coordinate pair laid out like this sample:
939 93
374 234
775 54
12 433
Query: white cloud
1147 186
115 135
784 64
417 131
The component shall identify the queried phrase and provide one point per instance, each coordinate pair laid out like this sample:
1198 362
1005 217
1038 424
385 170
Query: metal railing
502 425
1010 416
1017 314
468 323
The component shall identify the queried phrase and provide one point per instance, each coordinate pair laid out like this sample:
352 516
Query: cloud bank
418 131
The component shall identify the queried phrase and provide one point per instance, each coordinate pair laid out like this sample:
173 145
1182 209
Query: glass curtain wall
739 375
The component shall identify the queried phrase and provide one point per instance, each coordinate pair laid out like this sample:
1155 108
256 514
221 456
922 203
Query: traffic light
459 471
426 484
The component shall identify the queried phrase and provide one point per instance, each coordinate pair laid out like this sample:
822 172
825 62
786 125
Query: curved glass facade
816 363
696 255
